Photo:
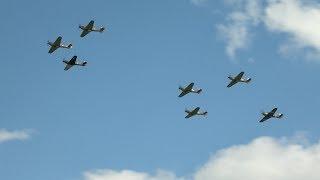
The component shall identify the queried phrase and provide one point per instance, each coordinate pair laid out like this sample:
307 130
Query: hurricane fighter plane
89 28
238 78
57 44
271 114
189 89
195 112
74 62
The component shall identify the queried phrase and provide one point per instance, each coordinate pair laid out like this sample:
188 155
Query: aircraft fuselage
88 29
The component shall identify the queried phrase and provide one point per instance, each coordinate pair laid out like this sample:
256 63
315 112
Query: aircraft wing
274 110
190 86
240 74
233 82
189 115
68 66
73 60
183 93
196 110
58 41
53 48
84 33
264 119
55 45
90 25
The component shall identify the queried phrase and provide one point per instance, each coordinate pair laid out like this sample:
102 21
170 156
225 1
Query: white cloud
236 36
128 175
6 135
198 2
300 20
264 158
236 31
297 19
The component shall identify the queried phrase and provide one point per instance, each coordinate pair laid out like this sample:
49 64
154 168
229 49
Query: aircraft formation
86 29
233 80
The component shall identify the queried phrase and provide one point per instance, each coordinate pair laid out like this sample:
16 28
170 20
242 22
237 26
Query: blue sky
121 111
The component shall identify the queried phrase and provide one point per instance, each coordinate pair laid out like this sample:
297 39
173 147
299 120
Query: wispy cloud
129 175
237 30
264 158
198 2
297 19
300 20
6 135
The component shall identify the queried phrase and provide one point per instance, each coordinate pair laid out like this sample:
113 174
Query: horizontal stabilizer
279 115
102 29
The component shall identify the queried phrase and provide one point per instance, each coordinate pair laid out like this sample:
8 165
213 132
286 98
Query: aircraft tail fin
245 80
279 116
102 29
84 63
203 113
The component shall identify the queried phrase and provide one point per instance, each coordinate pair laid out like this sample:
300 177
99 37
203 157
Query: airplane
57 44
195 112
189 89
271 114
73 62
89 28
238 78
